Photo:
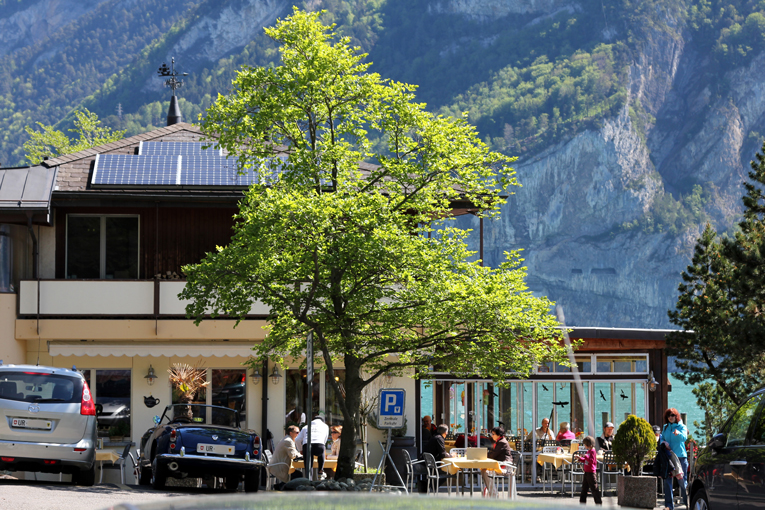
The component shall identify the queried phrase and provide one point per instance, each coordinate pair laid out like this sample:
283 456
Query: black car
200 441
730 471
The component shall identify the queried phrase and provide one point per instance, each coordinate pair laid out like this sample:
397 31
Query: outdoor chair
506 481
120 464
358 460
413 471
460 452
609 468
433 477
270 478
574 474
548 469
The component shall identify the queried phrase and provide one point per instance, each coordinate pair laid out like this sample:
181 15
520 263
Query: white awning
143 349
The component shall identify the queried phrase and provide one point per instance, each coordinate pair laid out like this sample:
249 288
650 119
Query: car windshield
40 387
201 414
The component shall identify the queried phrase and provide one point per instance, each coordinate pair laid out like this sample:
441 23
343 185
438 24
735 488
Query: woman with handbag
673 436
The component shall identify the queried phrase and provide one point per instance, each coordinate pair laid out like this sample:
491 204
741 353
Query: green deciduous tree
50 142
350 251
720 305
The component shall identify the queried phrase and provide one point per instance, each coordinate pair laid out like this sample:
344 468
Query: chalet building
91 250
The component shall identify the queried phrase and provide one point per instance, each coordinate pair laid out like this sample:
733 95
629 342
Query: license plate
218 449
24 423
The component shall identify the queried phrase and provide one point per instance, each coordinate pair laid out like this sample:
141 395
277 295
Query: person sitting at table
428 429
605 441
334 432
543 432
564 434
319 437
281 461
436 445
499 452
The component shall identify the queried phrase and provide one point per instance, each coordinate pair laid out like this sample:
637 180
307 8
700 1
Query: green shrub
633 441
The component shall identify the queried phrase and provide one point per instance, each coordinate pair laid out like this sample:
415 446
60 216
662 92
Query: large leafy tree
50 142
362 255
720 305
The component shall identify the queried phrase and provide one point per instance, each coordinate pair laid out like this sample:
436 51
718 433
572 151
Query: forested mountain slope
634 120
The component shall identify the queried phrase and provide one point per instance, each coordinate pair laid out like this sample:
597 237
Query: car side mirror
718 441
99 409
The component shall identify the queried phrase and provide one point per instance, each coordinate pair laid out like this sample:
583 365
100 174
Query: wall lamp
275 375
151 376
256 377
652 384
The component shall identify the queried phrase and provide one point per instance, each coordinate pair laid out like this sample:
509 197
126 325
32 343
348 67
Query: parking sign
390 409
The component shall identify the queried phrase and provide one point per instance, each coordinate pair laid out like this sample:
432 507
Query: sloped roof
130 142
26 190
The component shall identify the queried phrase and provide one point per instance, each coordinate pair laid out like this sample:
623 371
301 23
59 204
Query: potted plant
119 430
633 442
187 381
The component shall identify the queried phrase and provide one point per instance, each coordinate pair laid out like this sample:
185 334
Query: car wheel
87 477
252 480
158 477
700 501
232 482
145 477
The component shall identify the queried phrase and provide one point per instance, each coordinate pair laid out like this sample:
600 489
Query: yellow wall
11 350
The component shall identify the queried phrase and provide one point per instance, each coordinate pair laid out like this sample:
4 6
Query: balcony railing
106 298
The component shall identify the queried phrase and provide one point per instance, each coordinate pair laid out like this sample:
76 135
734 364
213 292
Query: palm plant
188 380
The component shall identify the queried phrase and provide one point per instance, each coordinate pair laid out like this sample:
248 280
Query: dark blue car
201 441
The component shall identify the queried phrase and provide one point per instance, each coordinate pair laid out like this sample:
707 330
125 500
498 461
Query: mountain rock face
35 22
577 216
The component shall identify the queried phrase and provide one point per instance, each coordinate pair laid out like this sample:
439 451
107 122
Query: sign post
308 462
390 415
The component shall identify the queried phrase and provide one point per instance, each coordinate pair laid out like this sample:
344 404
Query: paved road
32 495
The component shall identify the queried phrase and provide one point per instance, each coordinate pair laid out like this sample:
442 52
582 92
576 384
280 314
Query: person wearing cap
319 437
605 441
657 432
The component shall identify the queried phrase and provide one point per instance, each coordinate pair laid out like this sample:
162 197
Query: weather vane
172 82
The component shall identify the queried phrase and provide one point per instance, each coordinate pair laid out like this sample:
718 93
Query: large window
111 390
326 402
228 389
103 247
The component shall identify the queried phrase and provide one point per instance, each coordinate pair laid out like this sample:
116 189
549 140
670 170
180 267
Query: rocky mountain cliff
597 213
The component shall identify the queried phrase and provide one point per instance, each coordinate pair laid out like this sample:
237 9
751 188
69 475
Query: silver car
47 422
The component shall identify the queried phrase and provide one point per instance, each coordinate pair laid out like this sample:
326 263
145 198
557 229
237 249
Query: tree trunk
353 389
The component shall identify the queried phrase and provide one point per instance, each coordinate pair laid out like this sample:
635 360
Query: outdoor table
452 465
299 464
563 459
101 456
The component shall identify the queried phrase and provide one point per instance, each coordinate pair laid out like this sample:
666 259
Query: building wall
11 350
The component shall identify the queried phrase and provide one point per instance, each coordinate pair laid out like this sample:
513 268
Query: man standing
284 452
543 432
319 437
605 441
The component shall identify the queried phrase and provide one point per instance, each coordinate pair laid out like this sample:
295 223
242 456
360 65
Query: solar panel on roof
126 170
210 171
176 149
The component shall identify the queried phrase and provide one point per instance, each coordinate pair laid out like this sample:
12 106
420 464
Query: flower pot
636 491
399 444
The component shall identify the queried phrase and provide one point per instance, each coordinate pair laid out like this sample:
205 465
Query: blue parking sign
390 410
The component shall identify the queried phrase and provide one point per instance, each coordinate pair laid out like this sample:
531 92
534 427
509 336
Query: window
297 390
103 247
111 390
331 402
738 426
614 363
228 388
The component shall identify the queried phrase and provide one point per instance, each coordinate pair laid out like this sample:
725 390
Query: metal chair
120 464
506 481
432 476
270 478
548 468
574 473
413 470
609 468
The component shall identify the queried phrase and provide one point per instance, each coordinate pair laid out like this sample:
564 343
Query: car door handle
738 463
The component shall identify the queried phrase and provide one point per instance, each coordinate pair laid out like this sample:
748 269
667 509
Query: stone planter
636 491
